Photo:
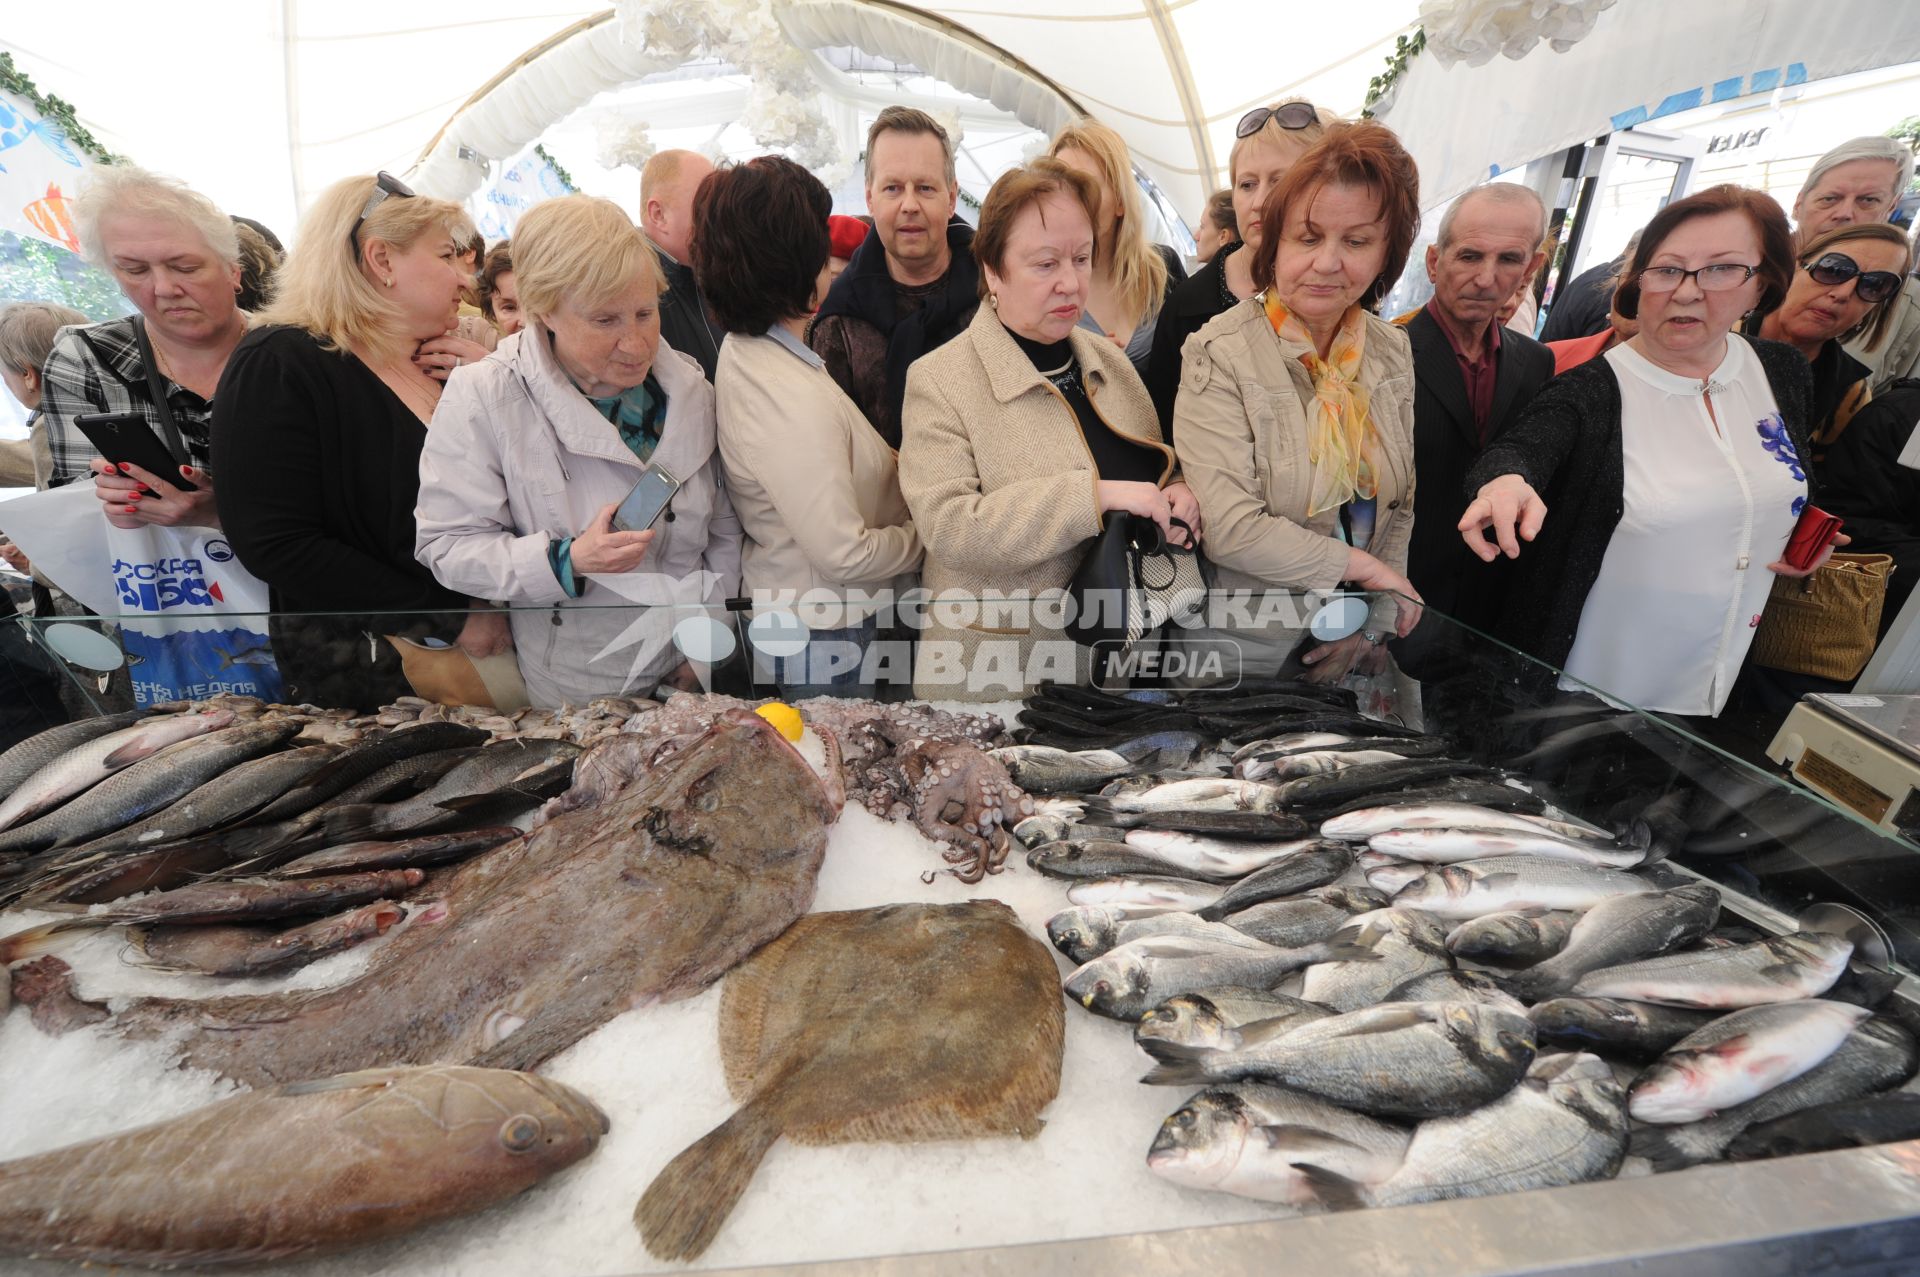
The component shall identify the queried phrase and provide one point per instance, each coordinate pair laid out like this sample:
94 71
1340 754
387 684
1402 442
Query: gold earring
389 281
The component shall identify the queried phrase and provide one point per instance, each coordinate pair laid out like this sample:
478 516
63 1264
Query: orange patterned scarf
1341 441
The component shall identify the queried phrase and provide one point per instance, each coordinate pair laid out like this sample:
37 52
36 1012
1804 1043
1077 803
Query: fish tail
1190 1072
356 822
1640 836
682 1210
1672 1148
1335 1192
35 941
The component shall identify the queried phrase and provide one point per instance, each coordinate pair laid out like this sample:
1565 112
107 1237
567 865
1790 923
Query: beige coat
816 489
1240 423
1003 488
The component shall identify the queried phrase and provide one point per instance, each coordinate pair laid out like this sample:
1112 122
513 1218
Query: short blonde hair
581 248
1139 272
1879 317
321 288
27 330
1273 133
124 190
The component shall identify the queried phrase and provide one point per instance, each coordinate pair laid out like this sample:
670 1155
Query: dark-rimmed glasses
384 184
1871 286
1722 277
1290 115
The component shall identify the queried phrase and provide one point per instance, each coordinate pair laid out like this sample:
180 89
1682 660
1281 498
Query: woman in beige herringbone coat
1018 438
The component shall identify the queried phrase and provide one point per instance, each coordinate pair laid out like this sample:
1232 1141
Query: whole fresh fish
86 765
1039 769
402 778
1308 918
1404 1059
1622 929
503 778
1450 985
651 896
1636 1031
256 951
1047 827
1084 932
1497 795
1292 741
1197 794
1297 871
1502 884
1451 846
1310 763
1804 964
423 852
224 799
1739 1057
297 1170
1376 952
1258 826
362 761
1564 1124
1516 939
1877 1055
1141 896
1389 875
1221 1019
1333 721
1245 1140
1296 744
148 785
30 755
1376 778
1134 977
1366 822
1108 859
1219 859
1879 1119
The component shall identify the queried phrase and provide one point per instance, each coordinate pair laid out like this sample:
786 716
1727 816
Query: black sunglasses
384 184
1873 286
1291 115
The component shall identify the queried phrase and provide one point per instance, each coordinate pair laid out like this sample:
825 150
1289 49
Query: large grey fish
1389 875
1875 1056
1878 1119
1499 795
1366 822
1504 883
1636 1031
30 755
503 777
1451 846
1287 743
1042 769
1804 964
297 1170
1312 866
1245 1140
1084 932
258 951
1378 952
1564 1124
1275 769
1138 896
1196 794
424 852
363 760
1108 859
1220 1019
1739 1057
1308 918
1059 827
1218 859
86 765
1132 978
1260 826
1622 929
1449 985
1515 939
1376 778
222 800
1404 1059
149 785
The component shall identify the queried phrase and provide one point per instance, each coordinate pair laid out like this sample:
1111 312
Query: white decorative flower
1472 31
624 140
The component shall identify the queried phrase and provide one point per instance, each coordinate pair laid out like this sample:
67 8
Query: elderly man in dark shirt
1471 379
912 286
667 186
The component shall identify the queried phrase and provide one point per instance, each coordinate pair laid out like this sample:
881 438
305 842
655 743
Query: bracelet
1374 637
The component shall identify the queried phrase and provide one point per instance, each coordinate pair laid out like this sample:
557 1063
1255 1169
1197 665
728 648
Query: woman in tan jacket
1295 411
1018 438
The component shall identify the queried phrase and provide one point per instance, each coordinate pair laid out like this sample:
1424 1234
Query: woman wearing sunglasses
1846 286
1656 486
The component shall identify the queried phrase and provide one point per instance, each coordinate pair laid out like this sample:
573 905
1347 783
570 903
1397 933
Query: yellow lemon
784 717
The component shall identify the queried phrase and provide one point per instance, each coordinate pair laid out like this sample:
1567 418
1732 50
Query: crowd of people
403 430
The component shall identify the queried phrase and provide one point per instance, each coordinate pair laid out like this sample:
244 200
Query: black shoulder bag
1132 582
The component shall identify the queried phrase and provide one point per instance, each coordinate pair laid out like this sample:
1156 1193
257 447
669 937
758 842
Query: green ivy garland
565 177
1405 48
15 81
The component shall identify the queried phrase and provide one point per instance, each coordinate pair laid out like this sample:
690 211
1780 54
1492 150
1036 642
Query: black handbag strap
157 388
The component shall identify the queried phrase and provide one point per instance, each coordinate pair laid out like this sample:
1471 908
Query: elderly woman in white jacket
533 448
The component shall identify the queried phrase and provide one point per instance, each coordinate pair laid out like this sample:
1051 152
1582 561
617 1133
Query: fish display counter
1469 970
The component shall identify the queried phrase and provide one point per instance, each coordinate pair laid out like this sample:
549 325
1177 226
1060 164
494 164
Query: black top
1835 373
1863 482
1189 306
1566 445
684 322
1580 308
1114 455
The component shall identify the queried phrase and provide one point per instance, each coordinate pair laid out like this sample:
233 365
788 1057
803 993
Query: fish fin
1303 1138
1640 837
1348 953
1499 881
1335 1192
1165 1052
1672 1148
35 941
357 822
1177 1073
1255 1032
345 1081
682 1210
1389 1018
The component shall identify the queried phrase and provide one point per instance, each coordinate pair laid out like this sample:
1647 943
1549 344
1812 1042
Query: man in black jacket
1471 379
667 185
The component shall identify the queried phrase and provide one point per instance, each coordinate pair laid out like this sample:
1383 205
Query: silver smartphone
648 500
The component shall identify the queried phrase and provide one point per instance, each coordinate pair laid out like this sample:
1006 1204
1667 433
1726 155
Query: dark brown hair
1017 190
760 241
499 262
1366 155
1775 268
1879 316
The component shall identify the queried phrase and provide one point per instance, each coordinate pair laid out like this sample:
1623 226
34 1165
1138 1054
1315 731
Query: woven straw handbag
1826 624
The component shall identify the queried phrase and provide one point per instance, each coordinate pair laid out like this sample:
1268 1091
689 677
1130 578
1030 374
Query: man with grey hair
1862 180
667 186
1471 380
911 287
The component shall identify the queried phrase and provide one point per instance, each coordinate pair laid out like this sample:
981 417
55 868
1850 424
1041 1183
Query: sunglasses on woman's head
1291 115
1873 286
384 184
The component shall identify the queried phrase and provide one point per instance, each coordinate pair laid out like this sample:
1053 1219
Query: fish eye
521 1132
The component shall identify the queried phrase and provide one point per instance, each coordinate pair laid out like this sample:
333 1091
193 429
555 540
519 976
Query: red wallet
1814 533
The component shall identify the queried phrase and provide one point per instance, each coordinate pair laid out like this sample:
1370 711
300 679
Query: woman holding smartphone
582 419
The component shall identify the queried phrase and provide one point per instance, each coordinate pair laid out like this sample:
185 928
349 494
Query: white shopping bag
192 620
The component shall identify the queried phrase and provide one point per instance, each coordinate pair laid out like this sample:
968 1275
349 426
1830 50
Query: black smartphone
648 500
125 438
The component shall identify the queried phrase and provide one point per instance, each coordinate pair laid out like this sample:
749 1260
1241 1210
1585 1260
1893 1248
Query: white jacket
518 458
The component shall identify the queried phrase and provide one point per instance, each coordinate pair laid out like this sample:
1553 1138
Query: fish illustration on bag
16 128
52 217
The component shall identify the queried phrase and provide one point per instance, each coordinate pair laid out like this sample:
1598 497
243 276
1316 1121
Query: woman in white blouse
1672 468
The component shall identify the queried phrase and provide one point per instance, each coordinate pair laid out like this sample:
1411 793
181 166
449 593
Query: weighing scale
1860 751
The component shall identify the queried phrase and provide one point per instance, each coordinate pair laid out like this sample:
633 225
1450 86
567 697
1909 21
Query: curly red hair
1367 155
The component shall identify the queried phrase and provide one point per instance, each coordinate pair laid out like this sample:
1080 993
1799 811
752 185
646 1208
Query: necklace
420 401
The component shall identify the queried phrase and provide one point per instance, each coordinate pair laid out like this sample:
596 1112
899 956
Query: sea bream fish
1042 769
1138 896
1246 1139
1636 1031
1504 883
1374 953
1739 1057
1132 978
1307 918
1312 866
1803 964
1220 1019
1518 938
1623 929
1084 932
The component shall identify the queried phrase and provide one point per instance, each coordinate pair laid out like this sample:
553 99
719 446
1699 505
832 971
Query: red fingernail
186 470
123 468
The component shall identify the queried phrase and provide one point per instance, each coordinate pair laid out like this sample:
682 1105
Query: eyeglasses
1721 278
384 184
1837 268
1291 115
